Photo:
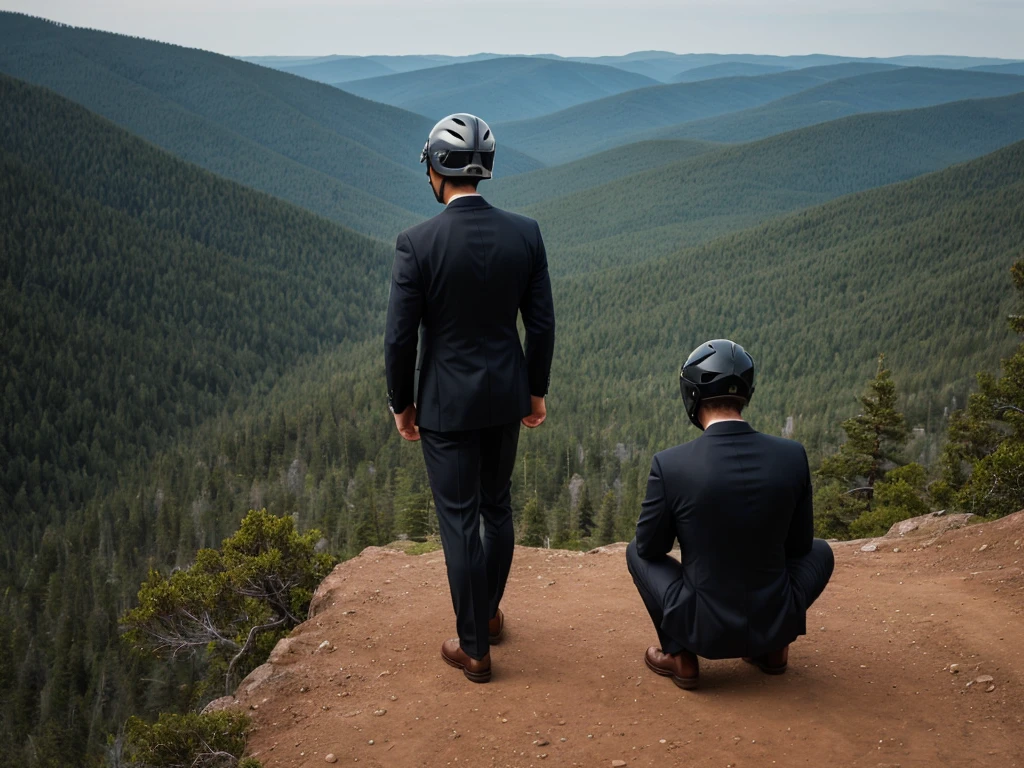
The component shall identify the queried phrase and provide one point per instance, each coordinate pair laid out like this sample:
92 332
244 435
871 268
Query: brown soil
870 684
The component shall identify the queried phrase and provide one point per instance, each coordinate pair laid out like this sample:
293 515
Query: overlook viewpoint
911 659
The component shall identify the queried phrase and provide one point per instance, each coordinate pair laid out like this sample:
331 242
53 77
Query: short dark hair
465 181
724 403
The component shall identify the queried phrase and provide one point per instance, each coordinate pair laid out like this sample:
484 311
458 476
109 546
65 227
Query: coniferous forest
181 347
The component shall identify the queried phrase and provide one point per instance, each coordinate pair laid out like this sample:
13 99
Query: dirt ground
870 685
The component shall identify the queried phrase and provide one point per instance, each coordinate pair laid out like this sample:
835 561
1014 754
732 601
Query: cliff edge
914 657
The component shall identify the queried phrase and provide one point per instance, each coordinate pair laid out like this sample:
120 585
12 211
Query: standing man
739 503
460 280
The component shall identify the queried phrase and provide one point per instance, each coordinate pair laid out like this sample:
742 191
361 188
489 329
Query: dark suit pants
470 475
659 582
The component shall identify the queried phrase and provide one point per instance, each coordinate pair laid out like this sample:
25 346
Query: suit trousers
470 475
659 582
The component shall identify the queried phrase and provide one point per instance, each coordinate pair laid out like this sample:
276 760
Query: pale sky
566 27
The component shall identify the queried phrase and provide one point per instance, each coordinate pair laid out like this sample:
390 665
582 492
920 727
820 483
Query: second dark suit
459 283
739 503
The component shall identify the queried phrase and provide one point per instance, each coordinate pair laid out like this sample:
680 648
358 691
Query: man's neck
458 192
718 417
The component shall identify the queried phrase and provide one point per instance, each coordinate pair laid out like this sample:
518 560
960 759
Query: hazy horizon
870 28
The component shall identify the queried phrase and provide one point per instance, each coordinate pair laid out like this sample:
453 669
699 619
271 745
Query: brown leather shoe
496 628
774 663
474 670
682 667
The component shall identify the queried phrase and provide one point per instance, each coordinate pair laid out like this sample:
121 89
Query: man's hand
406 423
538 414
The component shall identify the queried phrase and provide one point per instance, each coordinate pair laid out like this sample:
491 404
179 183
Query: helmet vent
708 377
459 121
487 135
457 136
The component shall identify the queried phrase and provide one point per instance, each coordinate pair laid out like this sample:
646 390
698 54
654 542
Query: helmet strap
439 192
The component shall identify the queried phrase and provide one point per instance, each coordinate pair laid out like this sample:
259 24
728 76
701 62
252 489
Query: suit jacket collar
469 201
729 428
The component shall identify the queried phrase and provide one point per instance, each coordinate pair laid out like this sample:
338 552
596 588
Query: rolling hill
511 88
906 88
346 158
597 125
1014 68
342 69
531 188
727 69
917 270
693 200
665 66
337 69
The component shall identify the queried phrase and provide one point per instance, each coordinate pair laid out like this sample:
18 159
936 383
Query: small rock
895 549
331 758
984 679
618 764
542 742
370 742
869 548
218 705
983 547
324 645
990 689
906 527
954 668
379 712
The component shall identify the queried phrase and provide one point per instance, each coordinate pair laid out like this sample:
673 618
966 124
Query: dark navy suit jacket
740 505
460 280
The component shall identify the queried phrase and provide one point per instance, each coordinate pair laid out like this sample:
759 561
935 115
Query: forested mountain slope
141 296
531 188
597 125
916 270
657 211
509 88
890 90
338 155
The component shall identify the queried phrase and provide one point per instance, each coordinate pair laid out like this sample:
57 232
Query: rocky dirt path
872 683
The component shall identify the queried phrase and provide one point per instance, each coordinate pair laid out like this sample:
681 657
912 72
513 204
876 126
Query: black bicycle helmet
718 368
461 145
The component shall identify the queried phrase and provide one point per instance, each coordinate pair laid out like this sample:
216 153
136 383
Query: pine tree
535 527
874 439
412 505
983 462
607 518
585 514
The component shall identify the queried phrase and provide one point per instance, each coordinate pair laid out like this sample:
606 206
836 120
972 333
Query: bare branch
245 649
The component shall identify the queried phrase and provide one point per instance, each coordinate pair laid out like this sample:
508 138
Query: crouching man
739 503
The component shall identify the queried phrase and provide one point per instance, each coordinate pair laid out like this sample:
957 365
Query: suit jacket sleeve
538 312
656 528
405 310
801 525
